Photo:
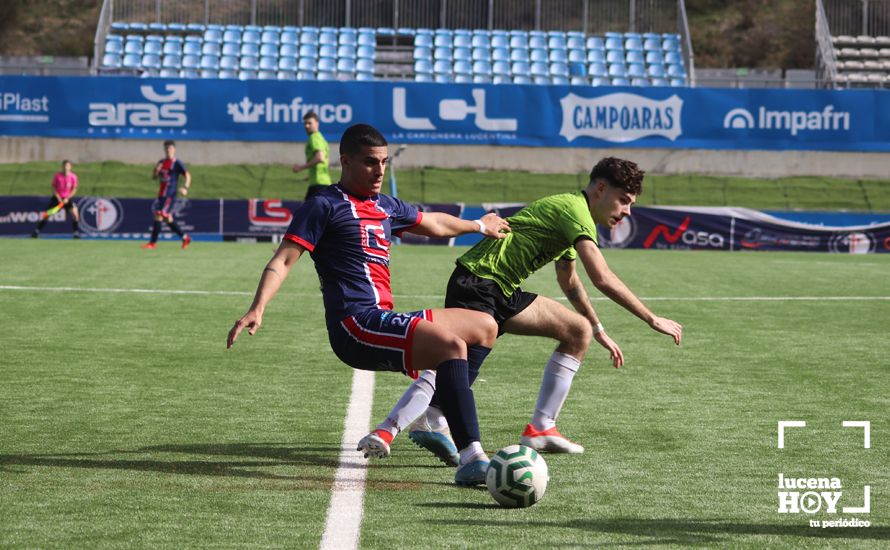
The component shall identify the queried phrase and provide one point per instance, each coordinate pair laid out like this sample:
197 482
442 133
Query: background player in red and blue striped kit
167 172
347 229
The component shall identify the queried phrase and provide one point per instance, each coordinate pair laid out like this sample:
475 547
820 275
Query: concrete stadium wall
765 164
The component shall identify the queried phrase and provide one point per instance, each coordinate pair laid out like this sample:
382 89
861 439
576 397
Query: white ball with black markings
517 476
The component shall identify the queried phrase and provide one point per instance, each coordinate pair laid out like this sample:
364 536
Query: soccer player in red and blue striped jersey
347 229
167 172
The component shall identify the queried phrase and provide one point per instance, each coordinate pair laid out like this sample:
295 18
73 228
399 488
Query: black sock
475 356
155 229
175 227
41 223
76 225
458 403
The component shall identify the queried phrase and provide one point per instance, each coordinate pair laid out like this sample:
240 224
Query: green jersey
318 174
540 233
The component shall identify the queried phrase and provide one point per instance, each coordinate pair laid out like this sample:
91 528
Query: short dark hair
66 161
310 114
620 173
169 142
360 135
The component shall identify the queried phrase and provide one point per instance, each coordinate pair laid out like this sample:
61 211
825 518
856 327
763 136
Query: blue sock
475 356
457 401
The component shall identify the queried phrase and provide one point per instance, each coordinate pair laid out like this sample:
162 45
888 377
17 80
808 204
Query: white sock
555 385
472 453
412 404
436 418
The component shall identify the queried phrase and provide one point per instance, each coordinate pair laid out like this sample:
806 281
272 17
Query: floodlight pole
393 191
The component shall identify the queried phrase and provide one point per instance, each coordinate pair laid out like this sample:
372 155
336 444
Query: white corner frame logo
811 501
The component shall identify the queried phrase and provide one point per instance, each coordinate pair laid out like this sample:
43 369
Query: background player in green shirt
317 155
487 278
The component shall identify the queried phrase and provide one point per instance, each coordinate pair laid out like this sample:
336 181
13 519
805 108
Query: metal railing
683 25
826 60
102 28
589 16
855 17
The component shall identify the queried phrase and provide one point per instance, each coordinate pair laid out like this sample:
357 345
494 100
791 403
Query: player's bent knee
578 334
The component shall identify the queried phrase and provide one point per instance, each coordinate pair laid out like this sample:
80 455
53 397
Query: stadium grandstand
853 43
577 42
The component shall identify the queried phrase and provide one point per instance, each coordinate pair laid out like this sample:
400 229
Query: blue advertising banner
409 112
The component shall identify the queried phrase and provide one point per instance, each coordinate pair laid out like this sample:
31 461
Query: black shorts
53 202
468 291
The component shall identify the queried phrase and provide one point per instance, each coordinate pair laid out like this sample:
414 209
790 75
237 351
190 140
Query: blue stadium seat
575 43
442 41
250 37
270 37
600 81
538 54
481 54
194 38
191 61
620 81
232 36
309 37
481 41
640 82
346 52
250 50
189 73
327 50
462 41
559 69
230 48
290 37
577 69
442 66
368 52
119 26
576 56
539 69
463 68
541 80
423 77
268 50
212 35
157 27
633 44
537 42
654 57
228 63
481 79
364 65
364 76
520 68
613 34
636 70
253 28
442 53
578 81
114 46
424 40
366 39
617 70
615 56
290 28
111 61
540 34
210 48
191 48
634 56
346 66
614 43
443 78
462 54
347 39
500 68
422 52
308 50
214 27
500 54
556 43
327 38
596 56
326 65
677 82
652 45
482 68
676 71
307 64
659 82
595 43
499 41
501 79
248 63
305 75
137 26
151 61
521 79
559 80
268 63
519 54
423 66
169 73
233 27
557 56
152 47
597 70
287 64
286 75
518 42
247 74
670 44
266 75
209 62
228 74
310 28
673 58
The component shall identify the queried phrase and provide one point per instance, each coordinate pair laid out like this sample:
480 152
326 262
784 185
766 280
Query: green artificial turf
125 423
432 185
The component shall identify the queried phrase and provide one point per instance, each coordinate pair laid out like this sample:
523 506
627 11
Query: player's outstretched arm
274 274
571 286
609 284
441 225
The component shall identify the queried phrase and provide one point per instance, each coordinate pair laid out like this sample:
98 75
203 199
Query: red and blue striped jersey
168 176
348 238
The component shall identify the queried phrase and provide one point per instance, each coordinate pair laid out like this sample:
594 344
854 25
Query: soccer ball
517 476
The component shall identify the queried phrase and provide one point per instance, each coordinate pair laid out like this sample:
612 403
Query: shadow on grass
679 531
248 461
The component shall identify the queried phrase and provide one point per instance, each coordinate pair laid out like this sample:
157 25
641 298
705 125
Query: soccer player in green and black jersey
318 153
488 277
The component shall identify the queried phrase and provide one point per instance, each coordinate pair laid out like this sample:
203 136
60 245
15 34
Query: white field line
344 520
441 297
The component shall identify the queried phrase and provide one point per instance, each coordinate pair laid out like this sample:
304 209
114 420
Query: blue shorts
377 339
164 205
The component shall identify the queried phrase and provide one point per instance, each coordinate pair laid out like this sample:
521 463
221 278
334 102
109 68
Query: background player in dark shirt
167 172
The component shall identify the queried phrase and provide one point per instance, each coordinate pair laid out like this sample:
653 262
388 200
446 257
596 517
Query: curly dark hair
620 173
